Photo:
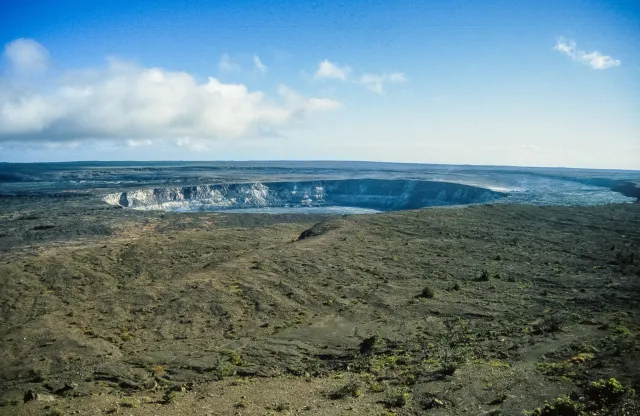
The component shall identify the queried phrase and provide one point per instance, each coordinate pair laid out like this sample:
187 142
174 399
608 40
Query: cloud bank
134 104
594 59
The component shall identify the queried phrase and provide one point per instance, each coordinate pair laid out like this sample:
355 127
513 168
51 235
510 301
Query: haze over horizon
465 82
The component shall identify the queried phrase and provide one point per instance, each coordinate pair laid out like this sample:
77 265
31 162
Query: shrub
452 349
563 406
223 368
159 370
352 389
554 368
279 407
170 397
409 380
499 400
601 394
622 330
233 356
449 367
129 403
368 344
549 324
619 317
582 357
484 276
397 398
377 388
427 292
607 392
240 405
381 363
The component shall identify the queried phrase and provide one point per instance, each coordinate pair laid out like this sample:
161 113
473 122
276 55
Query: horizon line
319 161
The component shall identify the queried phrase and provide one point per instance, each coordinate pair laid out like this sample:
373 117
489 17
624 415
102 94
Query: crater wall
378 194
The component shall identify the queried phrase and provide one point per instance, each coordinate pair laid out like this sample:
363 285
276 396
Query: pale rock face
384 195
222 196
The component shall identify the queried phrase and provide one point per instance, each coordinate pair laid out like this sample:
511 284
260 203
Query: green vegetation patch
598 395
397 398
353 388
562 406
608 392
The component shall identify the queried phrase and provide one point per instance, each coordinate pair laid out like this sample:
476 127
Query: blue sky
542 83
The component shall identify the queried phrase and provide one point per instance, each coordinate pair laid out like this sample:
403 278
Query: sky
506 82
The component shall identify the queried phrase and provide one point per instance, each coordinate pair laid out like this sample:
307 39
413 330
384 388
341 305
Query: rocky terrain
492 309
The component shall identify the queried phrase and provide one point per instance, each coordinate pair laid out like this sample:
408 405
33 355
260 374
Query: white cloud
599 61
295 100
227 64
568 47
193 145
395 77
139 143
376 82
27 55
127 102
373 82
594 59
327 69
259 65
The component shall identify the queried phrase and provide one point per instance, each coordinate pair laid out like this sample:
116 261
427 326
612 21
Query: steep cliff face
389 195
383 195
219 196
628 188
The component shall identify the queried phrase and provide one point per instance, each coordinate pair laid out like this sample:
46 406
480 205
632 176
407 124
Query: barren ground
112 311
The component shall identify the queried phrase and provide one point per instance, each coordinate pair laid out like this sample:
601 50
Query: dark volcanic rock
317 229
